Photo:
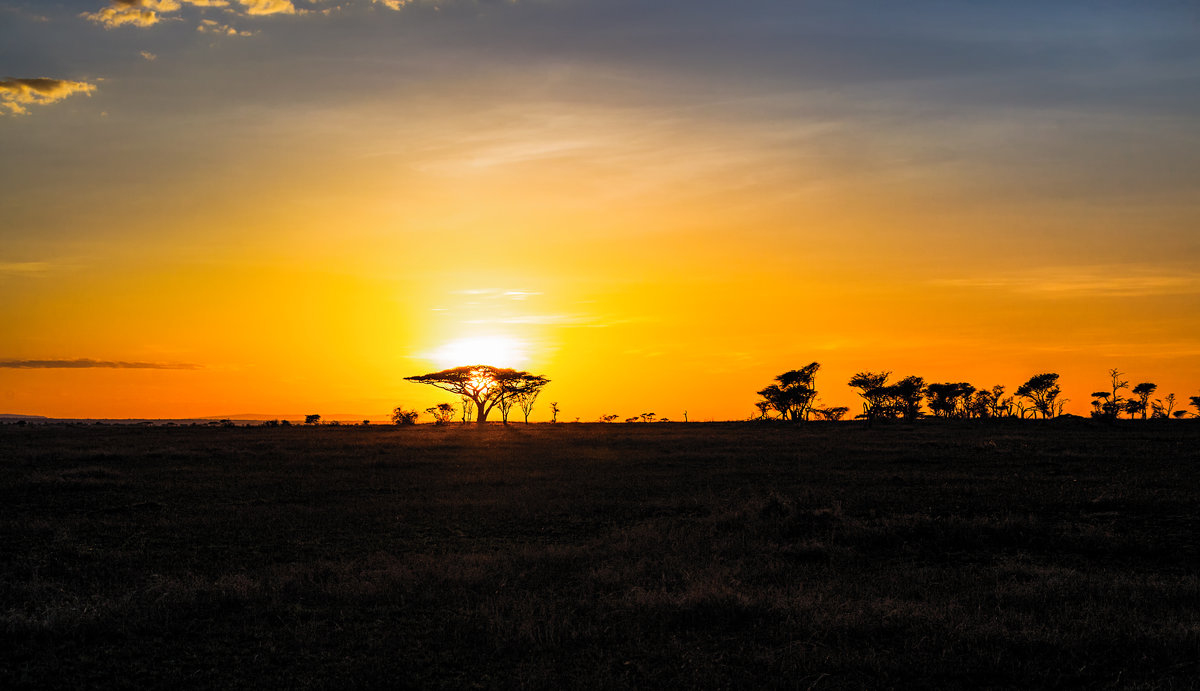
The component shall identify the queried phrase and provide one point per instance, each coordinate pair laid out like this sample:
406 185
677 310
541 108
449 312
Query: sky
218 207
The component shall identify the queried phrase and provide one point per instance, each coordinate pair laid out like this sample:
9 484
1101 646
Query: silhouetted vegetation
484 386
401 416
792 394
442 413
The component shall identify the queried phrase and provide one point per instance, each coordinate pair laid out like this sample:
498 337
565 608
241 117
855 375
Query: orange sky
294 220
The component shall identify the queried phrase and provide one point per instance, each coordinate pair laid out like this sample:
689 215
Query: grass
1055 555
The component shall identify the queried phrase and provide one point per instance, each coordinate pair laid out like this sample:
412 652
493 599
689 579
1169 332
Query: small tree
647 417
442 413
554 410
608 418
1001 406
400 416
1164 406
793 393
525 392
505 404
870 387
831 414
1141 404
1112 404
1042 391
1194 401
950 400
312 419
468 409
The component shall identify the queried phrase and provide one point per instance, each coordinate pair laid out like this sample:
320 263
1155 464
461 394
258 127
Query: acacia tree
1143 391
400 416
950 399
484 385
793 394
870 387
1042 391
905 396
1164 406
1112 404
442 413
525 392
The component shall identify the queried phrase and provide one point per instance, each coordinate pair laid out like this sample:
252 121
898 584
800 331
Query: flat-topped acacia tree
483 385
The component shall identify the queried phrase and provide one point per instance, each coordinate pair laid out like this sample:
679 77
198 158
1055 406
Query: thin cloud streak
87 363
24 268
1085 282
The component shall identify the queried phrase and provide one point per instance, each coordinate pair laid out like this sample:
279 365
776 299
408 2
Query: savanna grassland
1015 554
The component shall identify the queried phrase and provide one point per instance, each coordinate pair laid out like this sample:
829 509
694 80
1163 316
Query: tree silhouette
400 416
1163 407
554 410
442 413
468 409
870 387
525 392
794 392
313 419
831 414
1141 404
1112 404
905 397
1042 391
484 385
950 400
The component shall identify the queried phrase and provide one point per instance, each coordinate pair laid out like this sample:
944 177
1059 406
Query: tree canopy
484 385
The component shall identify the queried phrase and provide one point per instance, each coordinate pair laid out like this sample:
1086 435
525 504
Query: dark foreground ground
1055 555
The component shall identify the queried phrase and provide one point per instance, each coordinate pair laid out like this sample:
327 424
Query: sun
495 350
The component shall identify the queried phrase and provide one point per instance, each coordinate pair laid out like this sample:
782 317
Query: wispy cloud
17 94
393 4
581 320
87 363
1097 281
24 268
212 26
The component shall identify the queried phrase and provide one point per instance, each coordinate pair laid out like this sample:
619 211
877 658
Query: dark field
1023 555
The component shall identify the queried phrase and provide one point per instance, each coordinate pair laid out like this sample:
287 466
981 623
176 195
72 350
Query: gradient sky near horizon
214 207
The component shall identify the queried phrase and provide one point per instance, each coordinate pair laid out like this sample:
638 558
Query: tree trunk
481 413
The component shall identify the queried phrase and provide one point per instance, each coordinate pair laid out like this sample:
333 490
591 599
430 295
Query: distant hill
17 416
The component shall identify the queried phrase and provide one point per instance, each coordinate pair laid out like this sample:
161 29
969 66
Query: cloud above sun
17 94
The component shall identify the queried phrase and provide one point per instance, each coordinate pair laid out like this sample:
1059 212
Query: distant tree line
794 397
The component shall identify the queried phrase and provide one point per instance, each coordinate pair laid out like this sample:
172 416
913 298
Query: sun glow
498 351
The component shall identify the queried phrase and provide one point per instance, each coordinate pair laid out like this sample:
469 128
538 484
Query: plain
1011 554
